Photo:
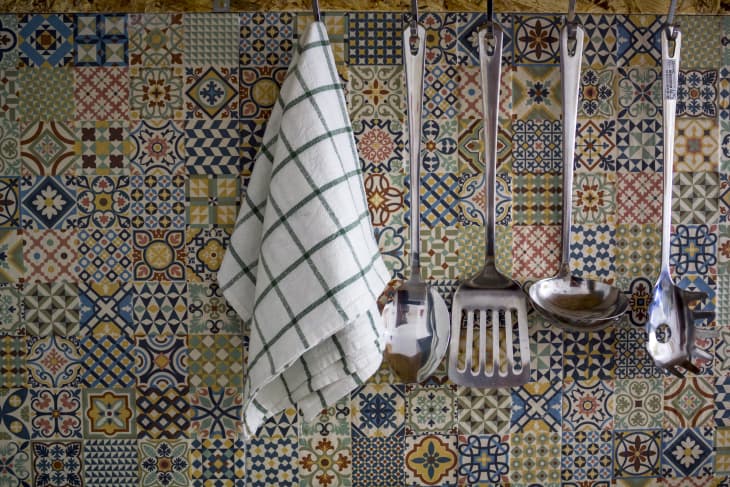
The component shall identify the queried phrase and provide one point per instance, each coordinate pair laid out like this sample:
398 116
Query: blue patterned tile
375 38
49 202
46 40
440 89
160 308
8 41
639 143
272 461
103 201
439 196
588 405
54 361
688 452
112 461
546 350
468 41
536 39
105 308
592 250
537 146
392 244
600 42
722 395
595 146
55 413
157 201
694 249
377 461
14 415
101 40
586 456
104 255
10 202
639 92
219 461
161 360
163 413
587 355
598 93
57 463
378 410
212 147
483 459
697 94
637 39
267 38
107 361
211 93
637 453
15 459
380 144
536 403
441 37
157 147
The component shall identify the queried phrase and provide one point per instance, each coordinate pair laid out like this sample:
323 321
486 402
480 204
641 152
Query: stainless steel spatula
489 298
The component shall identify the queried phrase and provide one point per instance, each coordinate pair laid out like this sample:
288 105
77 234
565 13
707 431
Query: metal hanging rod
571 22
315 11
414 17
670 25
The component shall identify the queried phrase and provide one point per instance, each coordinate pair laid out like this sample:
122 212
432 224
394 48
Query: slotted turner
489 298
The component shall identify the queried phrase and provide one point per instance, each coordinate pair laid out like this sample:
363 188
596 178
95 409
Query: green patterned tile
215 360
700 46
594 198
211 39
639 403
13 371
439 252
537 199
39 94
536 92
637 254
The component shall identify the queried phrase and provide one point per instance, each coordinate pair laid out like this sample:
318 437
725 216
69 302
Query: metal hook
669 25
414 19
315 10
571 23
490 19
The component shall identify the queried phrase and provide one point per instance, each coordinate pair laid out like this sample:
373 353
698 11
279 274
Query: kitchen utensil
671 322
417 320
568 301
496 300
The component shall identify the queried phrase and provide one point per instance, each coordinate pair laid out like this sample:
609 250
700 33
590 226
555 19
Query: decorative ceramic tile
536 199
110 461
587 355
258 89
52 308
55 413
385 193
10 143
706 284
546 350
377 461
588 404
636 252
537 146
441 37
15 415
639 403
593 198
483 411
688 402
632 358
211 93
273 461
101 40
688 452
693 249
440 145
536 92
430 409
9 35
381 146
161 360
536 251
46 40
472 204
536 39
218 462
595 148
722 394
206 247
103 201
439 199
639 92
155 93
54 361
468 44
586 455
164 462
482 458
697 94
325 460
158 201
722 450
9 99
158 255
639 145
109 413
597 93
48 202
637 453
163 413
104 255
638 40
102 93
695 146
695 197
722 355
12 267
212 147
375 38
156 40
440 88
9 202
108 361
57 463
282 424
378 410
104 147
724 197
432 459
600 42
49 148
15 458
639 197
212 39
215 360
50 255
38 94
723 305
536 406
209 313
12 312
377 92
106 308
160 308
700 48
216 413
439 254
534 457
267 38
212 200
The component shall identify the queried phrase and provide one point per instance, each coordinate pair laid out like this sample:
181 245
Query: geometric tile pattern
101 93
110 461
52 308
101 40
212 200
217 462
38 94
215 360
160 308
108 361
55 414
46 40
163 413
212 146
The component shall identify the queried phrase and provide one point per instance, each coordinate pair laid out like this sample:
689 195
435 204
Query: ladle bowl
569 301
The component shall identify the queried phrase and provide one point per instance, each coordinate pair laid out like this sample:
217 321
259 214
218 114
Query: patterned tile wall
126 142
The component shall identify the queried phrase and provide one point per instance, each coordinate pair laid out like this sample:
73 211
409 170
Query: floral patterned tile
632 358
695 145
48 202
593 198
325 460
164 462
156 40
258 89
688 452
639 92
378 410
15 456
483 458
536 39
216 413
376 92
536 92
588 404
155 93
51 255
8 51
595 146
639 403
109 413
637 453
12 310
430 410
56 461
697 93
55 413
468 43
381 146
688 402
598 93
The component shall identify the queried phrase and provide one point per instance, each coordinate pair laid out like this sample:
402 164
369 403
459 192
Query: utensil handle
670 79
490 59
414 47
570 61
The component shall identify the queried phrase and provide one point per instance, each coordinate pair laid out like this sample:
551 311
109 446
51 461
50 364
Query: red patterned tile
639 197
50 255
536 251
101 93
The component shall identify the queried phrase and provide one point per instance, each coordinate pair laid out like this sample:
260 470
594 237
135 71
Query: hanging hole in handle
572 37
671 30
490 39
663 333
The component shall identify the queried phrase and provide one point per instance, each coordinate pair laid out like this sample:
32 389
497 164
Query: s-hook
670 26
315 10
570 22
490 21
413 38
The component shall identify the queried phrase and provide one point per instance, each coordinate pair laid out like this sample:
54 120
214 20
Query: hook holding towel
315 10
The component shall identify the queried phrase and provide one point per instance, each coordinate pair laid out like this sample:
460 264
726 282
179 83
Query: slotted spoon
489 297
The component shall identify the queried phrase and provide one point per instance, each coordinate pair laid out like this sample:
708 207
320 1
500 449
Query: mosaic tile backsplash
126 142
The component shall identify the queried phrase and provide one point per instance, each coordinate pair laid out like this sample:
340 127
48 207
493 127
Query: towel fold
303 268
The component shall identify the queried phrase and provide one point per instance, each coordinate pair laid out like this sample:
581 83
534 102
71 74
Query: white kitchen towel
303 268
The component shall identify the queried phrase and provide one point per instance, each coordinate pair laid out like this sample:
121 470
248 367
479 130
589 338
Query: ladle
417 320
571 302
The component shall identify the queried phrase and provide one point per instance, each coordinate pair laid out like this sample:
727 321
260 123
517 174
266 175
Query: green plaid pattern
303 267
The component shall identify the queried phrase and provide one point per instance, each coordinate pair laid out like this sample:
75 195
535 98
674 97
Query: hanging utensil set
488 338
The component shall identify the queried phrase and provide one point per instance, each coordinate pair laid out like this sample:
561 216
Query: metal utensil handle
414 47
670 77
570 61
490 57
